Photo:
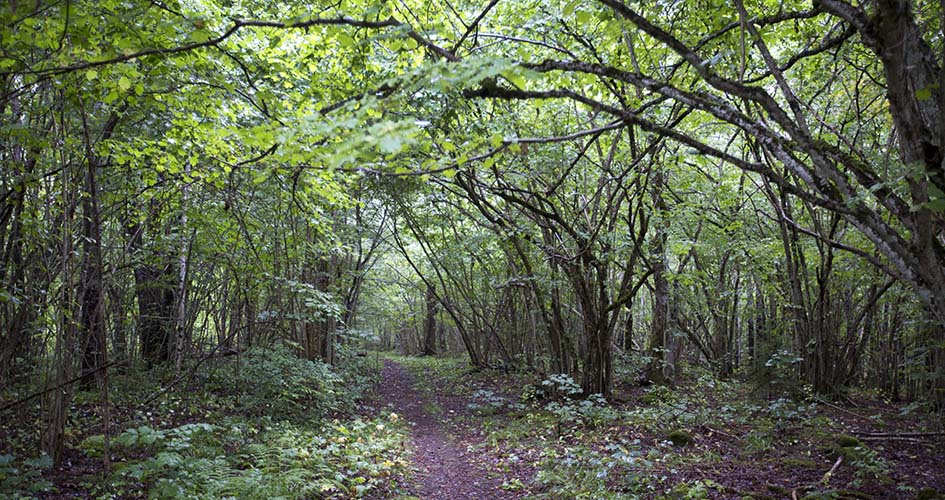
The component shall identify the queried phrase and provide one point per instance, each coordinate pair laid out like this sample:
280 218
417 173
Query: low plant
23 478
281 460
488 402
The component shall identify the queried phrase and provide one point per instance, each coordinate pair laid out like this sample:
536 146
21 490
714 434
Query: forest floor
429 428
445 467
494 435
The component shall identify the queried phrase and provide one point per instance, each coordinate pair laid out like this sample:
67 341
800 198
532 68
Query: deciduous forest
457 249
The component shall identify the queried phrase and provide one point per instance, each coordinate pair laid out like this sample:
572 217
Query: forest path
445 469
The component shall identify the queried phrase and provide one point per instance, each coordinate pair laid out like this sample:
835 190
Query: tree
899 210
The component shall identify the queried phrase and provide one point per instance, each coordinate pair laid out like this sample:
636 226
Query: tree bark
92 317
429 323
656 370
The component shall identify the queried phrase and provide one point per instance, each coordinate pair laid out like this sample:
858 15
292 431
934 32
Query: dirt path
445 470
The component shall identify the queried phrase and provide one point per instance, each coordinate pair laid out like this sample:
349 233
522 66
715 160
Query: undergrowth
264 424
703 438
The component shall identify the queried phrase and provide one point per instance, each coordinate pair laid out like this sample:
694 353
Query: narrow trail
445 470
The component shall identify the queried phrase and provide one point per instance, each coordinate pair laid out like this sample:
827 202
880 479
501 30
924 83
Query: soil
445 468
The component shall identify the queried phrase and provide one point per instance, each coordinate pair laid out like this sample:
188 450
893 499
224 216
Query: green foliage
657 394
786 410
702 488
560 385
277 461
631 365
582 472
255 145
779 373
760 440
928 494
23 479
570 414
287 449
487 402
275 382
868 465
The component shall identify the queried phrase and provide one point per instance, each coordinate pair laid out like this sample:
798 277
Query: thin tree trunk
429 323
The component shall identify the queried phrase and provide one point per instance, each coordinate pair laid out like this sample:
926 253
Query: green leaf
124 83
570 7
936 205
515 78
923 94
200 36
345 40
390 143
91 75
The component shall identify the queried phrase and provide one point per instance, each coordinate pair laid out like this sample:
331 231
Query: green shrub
275 382
270 437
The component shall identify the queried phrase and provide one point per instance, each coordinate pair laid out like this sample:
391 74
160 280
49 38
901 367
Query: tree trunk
56 412
181 337
92 322
656 370
92 313
429 323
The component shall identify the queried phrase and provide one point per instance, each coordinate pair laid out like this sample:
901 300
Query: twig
892 438
716 431
193 369
897 434
53 388
237 25
840 408
833 469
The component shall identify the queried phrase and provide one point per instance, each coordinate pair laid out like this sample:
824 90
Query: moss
649 398
847 441
819 430
846 446
840 495
928 494
680 438
780 490
801 463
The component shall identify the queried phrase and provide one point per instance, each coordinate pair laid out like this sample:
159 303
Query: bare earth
445 469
